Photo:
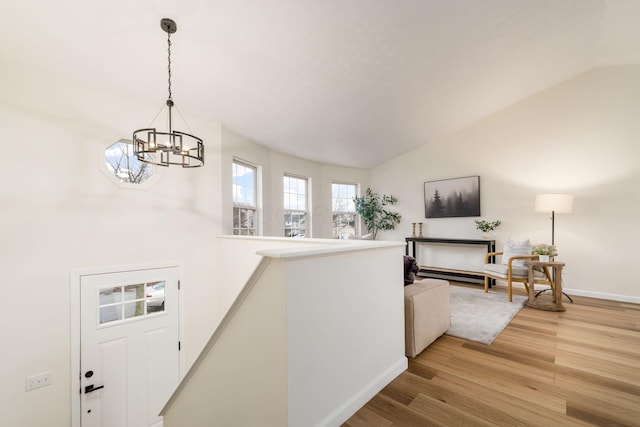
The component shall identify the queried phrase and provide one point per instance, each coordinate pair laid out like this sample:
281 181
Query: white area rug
479 316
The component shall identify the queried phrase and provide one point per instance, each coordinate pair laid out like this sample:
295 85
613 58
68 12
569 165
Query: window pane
244 199
133 309
344 225
296 205
110 295
344 210
295 224
126 302
244 183
124 165
245 221
343 195
110 313
133 292
155 297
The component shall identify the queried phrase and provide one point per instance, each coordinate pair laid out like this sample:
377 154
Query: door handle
90 388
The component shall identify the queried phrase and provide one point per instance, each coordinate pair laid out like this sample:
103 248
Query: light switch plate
37 381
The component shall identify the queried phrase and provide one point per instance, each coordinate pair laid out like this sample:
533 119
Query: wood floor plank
629 360
517 411
497 379
367 418
600 367
472 397
445 413
400 415
568 382
575 368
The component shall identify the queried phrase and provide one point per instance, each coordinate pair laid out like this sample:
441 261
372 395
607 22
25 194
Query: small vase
543 258
486 235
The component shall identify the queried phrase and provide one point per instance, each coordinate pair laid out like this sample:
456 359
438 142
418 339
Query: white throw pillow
512 248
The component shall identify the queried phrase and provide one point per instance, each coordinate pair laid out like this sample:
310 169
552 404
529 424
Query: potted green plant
372 207
487 226
544 252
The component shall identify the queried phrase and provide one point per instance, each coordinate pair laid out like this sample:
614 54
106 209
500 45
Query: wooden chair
511 272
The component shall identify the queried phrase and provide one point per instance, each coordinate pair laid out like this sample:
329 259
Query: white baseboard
342 413
591 294
602 295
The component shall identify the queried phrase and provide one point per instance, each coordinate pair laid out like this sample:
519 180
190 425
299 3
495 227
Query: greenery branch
545 250
486 226
372 207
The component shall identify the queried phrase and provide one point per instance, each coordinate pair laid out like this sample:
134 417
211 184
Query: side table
556 304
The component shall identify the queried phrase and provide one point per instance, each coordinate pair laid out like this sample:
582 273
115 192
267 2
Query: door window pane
110 296
133 292
155 297
130 301
110 313
134 309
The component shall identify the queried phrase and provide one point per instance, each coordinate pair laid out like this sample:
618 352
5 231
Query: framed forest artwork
448 198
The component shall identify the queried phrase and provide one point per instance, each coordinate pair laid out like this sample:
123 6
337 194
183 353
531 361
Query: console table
448 273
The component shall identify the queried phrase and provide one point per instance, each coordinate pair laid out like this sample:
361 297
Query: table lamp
554 203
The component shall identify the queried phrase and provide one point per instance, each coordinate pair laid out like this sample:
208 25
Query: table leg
532 297
558 287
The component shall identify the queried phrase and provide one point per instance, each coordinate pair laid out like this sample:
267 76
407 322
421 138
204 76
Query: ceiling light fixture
173 147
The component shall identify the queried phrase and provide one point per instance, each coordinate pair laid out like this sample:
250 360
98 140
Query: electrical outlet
37 381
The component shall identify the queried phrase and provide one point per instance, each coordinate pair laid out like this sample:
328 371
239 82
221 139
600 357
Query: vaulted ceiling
347 82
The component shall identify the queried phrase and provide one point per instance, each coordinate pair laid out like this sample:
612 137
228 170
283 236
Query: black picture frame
451 198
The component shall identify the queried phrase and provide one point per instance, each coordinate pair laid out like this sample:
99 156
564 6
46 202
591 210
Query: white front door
129 349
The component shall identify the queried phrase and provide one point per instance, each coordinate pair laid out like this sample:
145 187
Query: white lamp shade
558 203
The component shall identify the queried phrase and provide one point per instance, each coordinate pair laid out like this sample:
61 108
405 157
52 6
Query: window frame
157 172
240 209
305 213
334 212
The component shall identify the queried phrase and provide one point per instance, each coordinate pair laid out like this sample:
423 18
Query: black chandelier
173 147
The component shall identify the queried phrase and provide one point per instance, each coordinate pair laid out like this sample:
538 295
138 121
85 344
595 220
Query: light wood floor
580 367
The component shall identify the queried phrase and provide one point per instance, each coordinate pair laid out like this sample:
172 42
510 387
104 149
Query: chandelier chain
169 60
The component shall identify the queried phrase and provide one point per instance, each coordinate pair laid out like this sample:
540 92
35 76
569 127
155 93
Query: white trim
602 295
75 278
343 412
590 294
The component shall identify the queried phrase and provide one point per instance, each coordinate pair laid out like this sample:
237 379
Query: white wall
237 261
240 379
580 137
59 212
345 332
313 336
